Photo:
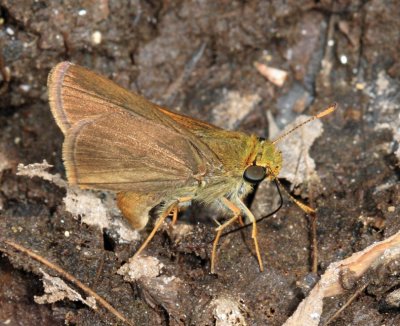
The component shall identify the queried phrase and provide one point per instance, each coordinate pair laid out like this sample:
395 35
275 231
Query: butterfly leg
170 209
158 224
252 219
174 215
176 209
237 208
236 211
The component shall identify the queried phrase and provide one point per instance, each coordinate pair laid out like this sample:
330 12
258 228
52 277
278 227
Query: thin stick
351 299
313 226
314 243
70 278
313 233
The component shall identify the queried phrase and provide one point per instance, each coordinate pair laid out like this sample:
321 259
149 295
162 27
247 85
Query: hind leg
173 208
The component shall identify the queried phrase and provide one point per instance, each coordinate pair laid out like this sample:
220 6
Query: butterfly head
267 163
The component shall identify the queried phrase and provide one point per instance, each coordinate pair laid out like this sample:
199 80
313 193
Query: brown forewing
120 152
76 93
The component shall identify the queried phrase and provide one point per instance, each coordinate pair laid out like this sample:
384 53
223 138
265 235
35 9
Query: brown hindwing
136 207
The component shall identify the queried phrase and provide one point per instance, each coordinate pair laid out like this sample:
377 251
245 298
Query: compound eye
254 174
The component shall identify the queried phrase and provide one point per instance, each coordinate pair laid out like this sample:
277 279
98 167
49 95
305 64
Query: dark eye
254 174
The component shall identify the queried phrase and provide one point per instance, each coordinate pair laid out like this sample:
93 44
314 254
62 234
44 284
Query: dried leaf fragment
227 312
56 290
233 108
141 267
40 170
299 166
84 204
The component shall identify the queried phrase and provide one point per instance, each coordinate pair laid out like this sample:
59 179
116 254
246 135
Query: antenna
327 111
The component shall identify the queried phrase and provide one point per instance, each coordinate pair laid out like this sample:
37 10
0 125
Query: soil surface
198 58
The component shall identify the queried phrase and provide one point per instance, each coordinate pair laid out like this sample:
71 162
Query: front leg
236 207
236 215
252 219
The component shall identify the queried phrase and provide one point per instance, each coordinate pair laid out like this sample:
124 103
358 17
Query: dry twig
310 309
70 278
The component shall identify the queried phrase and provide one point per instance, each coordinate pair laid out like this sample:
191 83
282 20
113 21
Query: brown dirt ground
343 51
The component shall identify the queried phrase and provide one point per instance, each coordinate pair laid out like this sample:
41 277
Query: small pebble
343 59
10 31
26 88
96 37
360 86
